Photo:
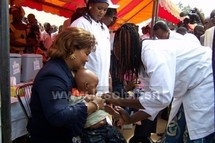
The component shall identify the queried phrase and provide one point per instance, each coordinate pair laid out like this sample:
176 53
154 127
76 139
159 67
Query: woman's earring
72 57
90 7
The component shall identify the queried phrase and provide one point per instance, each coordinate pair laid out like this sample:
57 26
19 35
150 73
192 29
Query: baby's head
86 81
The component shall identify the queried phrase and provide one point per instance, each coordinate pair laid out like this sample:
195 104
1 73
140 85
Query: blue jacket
53 120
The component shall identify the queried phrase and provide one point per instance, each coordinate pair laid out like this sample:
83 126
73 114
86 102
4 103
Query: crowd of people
27 35
92 79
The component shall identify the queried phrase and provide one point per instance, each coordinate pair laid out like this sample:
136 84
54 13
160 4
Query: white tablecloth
18 120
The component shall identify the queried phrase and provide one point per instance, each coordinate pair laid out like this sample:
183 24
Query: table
18 120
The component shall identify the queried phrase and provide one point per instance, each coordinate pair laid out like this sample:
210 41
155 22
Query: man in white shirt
45 36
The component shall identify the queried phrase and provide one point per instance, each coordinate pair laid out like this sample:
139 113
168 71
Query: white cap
111 5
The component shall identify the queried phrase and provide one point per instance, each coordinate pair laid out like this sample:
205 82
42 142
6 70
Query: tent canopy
134 11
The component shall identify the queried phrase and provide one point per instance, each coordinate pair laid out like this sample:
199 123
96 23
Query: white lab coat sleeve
161 81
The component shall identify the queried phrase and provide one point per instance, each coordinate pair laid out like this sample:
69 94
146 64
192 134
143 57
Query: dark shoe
140 140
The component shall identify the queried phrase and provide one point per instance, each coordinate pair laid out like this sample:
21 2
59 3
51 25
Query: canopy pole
154 17
4 73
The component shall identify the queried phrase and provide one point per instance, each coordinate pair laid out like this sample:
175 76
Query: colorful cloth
92 119
177 131
76 93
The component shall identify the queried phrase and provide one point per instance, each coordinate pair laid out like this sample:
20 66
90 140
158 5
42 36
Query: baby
96 127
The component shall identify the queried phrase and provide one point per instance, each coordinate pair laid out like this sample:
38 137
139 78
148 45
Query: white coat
99 61
179 71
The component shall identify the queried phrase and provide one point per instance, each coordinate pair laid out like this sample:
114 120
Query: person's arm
94 105
127 119
131 102
161 83
54 95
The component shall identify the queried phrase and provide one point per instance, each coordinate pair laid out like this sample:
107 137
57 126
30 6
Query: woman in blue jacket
53 120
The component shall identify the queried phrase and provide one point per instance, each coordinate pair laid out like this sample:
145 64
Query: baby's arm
108 108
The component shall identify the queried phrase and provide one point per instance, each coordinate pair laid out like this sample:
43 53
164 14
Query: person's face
212 18
17 15
98 10
145 30
109 20
91 87
32 19
160 34
81 57
48 28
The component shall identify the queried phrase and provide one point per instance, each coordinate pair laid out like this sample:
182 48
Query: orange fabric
134 11
141 12
50 9
43 53
75 92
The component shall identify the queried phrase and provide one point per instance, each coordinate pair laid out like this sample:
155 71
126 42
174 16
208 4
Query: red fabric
33 5
162 13
115 1
125 13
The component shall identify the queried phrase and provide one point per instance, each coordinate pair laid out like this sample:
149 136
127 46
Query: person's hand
109 109
119 123
89 98
124 116
130 85
109 98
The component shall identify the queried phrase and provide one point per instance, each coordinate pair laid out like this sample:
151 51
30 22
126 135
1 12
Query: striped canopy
135 11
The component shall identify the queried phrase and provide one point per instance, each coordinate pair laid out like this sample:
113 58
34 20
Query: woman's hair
78 13
111 12
71 39
127 51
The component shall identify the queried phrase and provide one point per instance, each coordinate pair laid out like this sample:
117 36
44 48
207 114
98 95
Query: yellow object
13 91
